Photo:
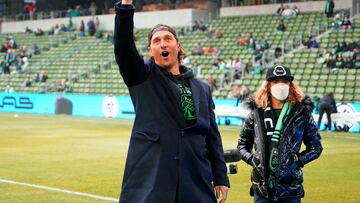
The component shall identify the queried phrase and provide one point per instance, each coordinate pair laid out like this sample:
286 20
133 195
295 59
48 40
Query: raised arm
130 63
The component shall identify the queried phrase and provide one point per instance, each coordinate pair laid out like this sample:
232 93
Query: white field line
60 190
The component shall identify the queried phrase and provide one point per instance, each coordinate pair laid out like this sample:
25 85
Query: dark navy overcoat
165 158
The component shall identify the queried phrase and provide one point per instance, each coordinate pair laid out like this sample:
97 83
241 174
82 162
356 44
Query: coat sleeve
216 152
311 139
131 65
246 141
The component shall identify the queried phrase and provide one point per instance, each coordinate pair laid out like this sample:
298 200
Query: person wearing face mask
175 152
279 123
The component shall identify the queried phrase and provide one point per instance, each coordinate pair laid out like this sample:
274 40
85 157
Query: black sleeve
246 141
312 141
216 152
130 63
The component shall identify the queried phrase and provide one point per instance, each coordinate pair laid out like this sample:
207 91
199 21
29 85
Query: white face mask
280 91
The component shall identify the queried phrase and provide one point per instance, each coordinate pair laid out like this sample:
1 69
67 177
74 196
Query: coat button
182 133
176 157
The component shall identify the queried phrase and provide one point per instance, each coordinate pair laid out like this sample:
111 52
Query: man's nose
163 44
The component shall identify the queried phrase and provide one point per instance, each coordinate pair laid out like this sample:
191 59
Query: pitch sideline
60 190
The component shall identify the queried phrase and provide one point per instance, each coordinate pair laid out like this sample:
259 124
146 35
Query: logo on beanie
279 71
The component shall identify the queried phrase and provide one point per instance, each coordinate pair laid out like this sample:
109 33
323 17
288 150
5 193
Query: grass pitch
88 155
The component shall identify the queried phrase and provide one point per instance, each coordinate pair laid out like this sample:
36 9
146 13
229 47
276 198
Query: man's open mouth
165 54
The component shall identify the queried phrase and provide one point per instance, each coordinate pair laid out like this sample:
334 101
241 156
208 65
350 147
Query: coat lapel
195 87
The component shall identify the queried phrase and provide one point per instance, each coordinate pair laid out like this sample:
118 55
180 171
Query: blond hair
262 95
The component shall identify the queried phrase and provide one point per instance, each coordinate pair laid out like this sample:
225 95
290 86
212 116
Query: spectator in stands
339 62
231 3
186 61
2 66
331 60
202 25
224 78
215 63
338 47
196 69
244 94
195 26
212 83
41 76
311 42
35 49
182 32
99 36
108 37
10 42
280 10
70 26
198 50
238 69
216 34
346 23
74 12
28 30
288 11
241 40
356 62
348 64
9 88
11 60
264 44
337 22
258 53
51 31
25 65
97 24
210 51
64 86
82 28
280 26
327 105
68 88
329 8
91 27
356 51
27 82
39 32
296 10
222 65
31 9
323 57
92 9
234 93
351 45
230 64
251 45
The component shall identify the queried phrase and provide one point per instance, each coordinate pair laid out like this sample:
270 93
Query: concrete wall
271 8
180 17
356 7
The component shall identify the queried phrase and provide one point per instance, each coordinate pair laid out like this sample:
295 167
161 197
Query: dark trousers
325 108
259 199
